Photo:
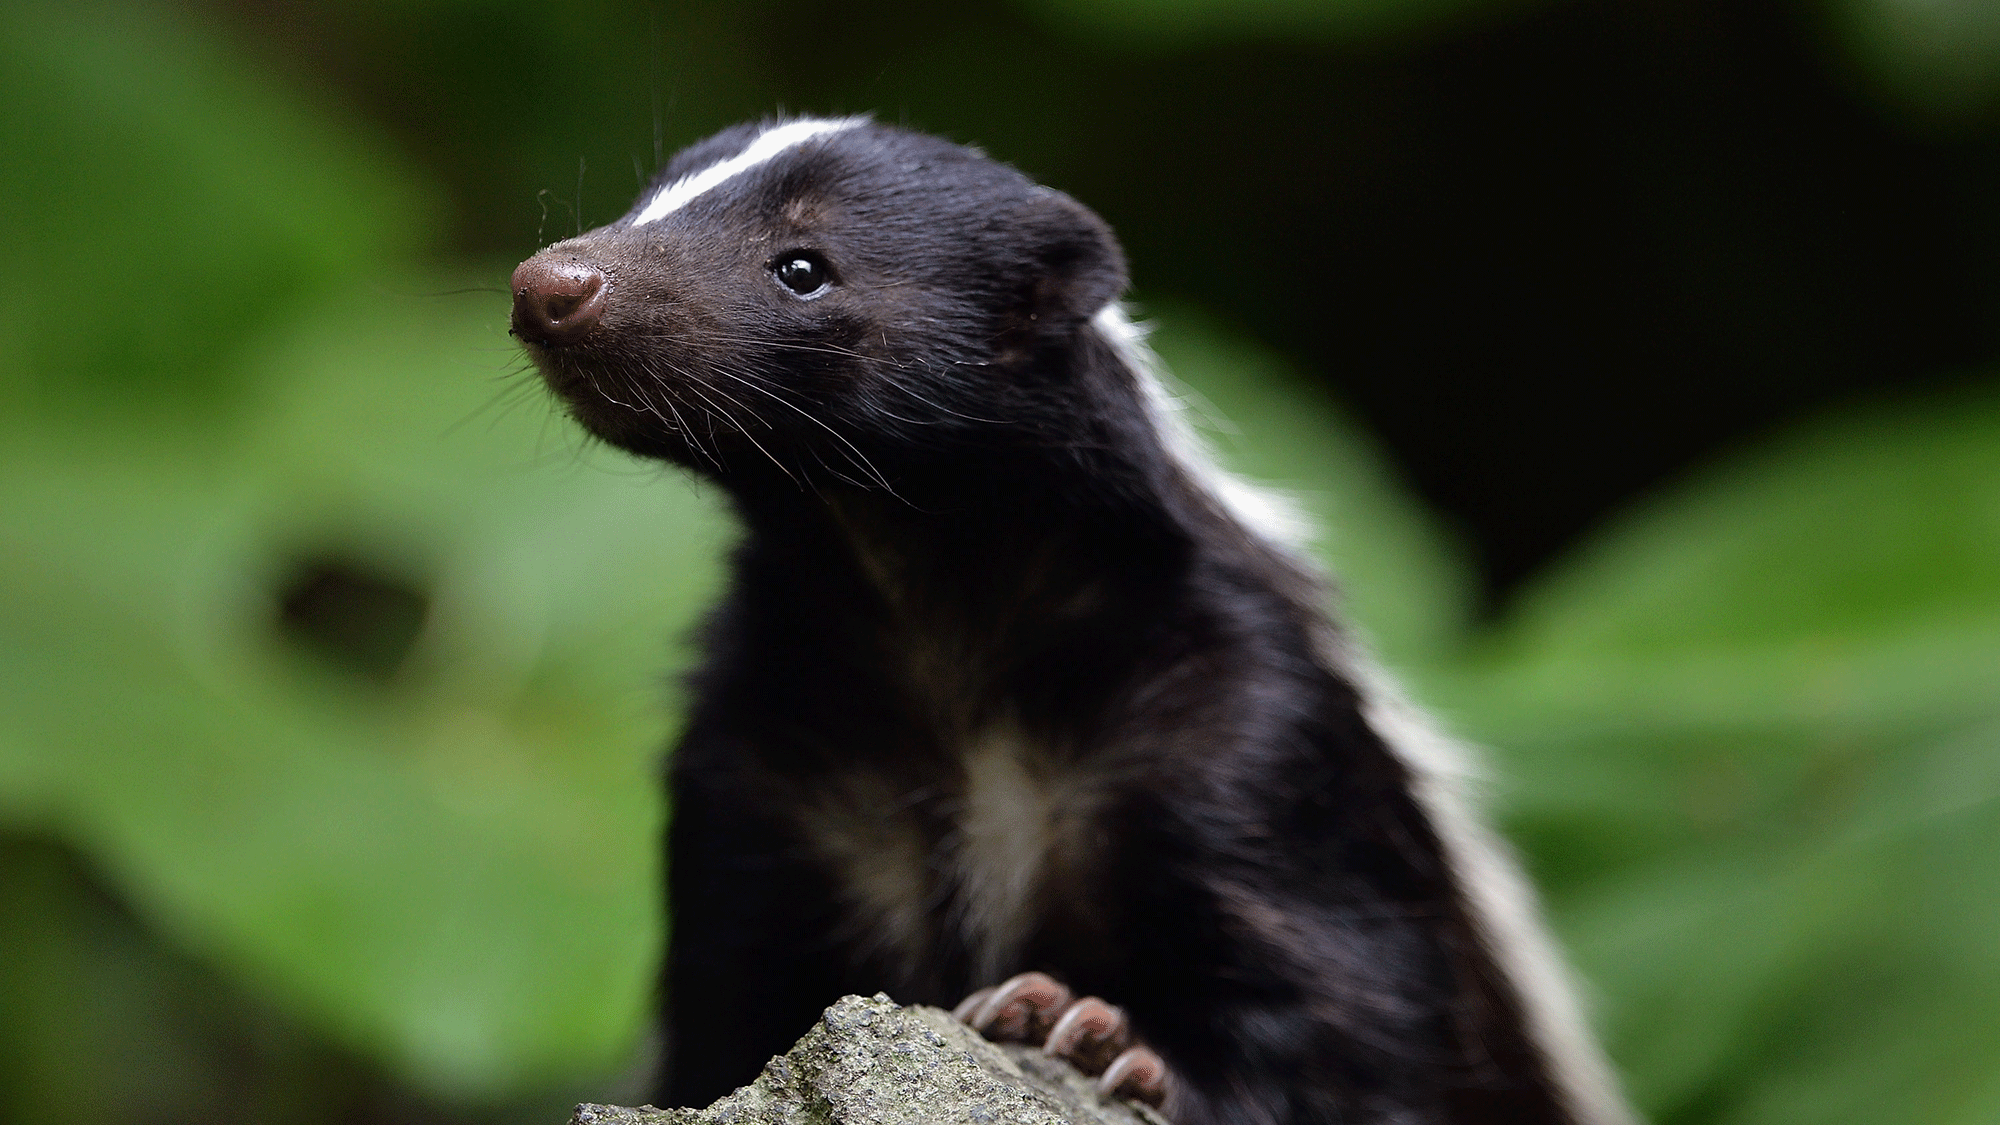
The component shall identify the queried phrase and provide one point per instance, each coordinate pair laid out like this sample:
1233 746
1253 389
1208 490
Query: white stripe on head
768 144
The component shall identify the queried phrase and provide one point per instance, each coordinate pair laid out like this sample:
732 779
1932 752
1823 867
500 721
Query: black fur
965 535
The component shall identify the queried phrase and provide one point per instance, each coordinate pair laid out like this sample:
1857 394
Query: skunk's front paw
1095 1037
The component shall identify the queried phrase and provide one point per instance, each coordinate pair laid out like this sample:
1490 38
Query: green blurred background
1638 355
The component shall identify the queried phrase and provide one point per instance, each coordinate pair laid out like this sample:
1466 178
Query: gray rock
871 1062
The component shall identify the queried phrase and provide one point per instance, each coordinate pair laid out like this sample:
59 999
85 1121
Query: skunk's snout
557 302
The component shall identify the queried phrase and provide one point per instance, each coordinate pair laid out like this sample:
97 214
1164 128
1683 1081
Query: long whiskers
902 385
697 386
854 453
519 386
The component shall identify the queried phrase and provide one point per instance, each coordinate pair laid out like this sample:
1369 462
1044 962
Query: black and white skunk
1011 679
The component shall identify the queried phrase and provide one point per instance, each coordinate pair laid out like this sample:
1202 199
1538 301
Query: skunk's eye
802 272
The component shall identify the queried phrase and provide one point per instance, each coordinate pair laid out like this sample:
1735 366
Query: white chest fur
1009 822
1013 830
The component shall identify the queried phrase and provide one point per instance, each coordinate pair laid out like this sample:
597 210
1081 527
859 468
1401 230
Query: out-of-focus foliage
328 643
1167 23
1753 733
100 1021
164 198
451 863
1939 59
1749 736
453 866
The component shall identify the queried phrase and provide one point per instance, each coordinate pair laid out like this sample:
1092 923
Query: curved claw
1021 1009
1139 1074
1090 1034
1094 1036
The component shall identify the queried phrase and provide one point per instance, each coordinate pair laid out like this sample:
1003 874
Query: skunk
1015 697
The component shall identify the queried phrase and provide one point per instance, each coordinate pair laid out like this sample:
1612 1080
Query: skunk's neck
1004 583
967 538
1074 491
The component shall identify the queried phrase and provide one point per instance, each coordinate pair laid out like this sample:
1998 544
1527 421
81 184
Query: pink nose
556 302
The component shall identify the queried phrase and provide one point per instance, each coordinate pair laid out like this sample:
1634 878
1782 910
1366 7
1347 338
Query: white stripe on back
769 144
1266 513
1497 897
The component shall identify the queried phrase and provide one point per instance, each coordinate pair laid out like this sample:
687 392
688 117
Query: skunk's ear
1080 268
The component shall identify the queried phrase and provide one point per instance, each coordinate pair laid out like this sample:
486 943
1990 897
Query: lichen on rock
869 1061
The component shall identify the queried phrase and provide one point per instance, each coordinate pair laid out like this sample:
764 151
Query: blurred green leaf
1751 735
100 1022
164 197
456 869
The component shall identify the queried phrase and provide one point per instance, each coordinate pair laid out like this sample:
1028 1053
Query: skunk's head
811 295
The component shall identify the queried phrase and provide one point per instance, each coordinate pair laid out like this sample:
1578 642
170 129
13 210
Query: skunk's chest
966 866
